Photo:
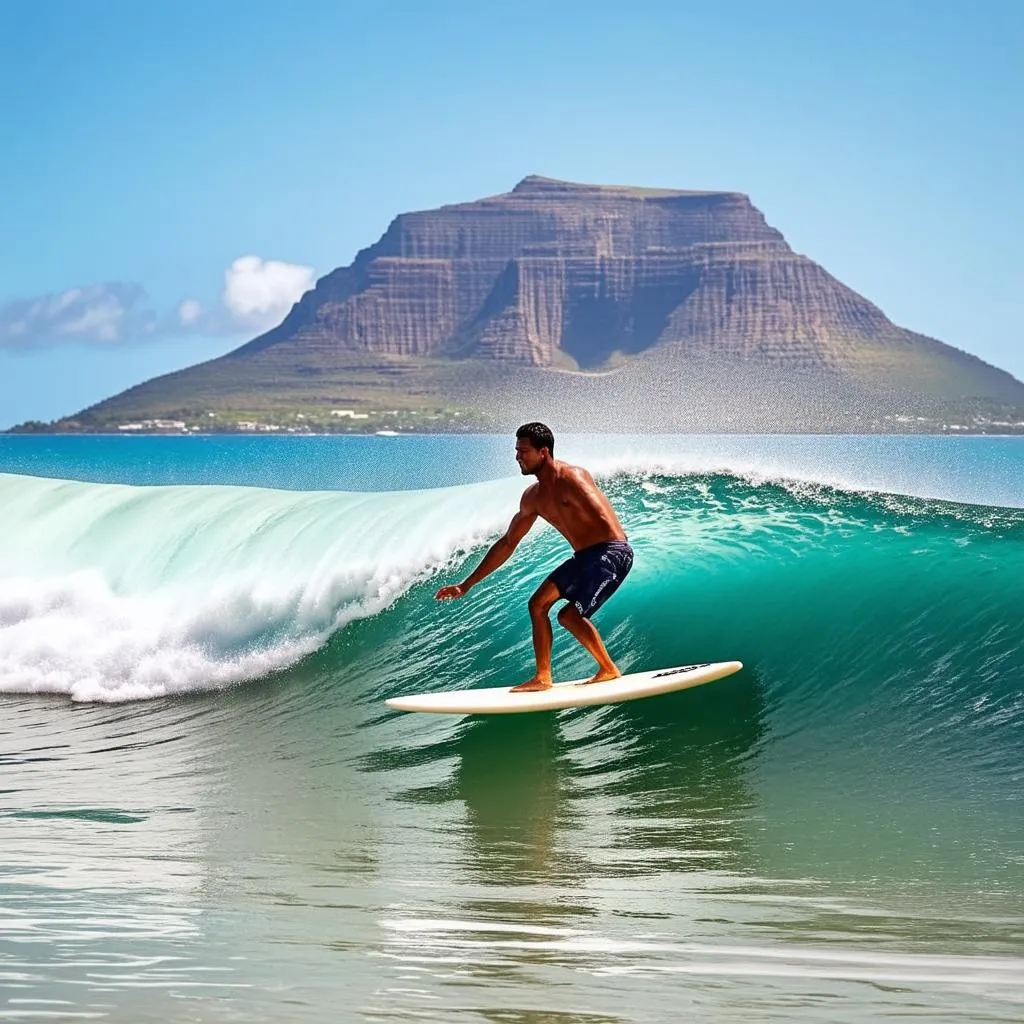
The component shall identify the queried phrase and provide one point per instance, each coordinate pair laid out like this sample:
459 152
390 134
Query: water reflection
640 788
514 776
677 771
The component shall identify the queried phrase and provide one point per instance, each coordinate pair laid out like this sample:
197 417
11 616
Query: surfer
569 499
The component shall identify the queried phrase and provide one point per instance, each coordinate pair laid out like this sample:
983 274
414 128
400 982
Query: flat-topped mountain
456 305
557 274
551 274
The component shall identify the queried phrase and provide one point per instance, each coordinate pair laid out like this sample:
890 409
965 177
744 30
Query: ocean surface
208 814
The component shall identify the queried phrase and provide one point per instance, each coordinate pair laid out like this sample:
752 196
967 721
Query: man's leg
586 632
540 617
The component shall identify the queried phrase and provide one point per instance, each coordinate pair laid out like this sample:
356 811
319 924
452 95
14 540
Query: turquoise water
208 814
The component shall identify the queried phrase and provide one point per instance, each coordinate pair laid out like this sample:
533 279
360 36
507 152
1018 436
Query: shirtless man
567 497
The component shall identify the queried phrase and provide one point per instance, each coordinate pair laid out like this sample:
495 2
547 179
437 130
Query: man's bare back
567 497
574 505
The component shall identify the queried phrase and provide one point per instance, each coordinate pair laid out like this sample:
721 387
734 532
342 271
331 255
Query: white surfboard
499 700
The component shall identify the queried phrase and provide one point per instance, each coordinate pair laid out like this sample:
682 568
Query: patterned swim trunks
592 575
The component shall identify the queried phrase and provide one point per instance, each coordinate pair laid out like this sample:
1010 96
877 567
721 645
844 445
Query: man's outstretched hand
450 592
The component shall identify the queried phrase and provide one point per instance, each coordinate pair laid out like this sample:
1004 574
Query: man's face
528 457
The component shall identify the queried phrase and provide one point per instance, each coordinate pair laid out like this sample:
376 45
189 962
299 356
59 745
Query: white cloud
259 292
189 312
108 314
257 295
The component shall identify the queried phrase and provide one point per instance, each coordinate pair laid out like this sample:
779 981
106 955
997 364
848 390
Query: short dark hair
538 435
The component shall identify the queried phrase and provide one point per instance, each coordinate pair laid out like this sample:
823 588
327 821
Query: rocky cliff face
569 276
550 273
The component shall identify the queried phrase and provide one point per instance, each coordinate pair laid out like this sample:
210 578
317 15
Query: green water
226 823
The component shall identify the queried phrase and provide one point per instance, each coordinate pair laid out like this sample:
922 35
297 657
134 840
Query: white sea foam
109 592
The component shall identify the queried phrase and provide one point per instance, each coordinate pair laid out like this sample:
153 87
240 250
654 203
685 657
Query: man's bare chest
557 506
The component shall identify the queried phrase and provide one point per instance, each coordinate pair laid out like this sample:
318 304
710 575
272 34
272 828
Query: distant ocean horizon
209 814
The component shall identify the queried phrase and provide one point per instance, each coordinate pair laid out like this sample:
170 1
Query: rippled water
227 823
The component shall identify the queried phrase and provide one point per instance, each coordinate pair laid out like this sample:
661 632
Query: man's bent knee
540 604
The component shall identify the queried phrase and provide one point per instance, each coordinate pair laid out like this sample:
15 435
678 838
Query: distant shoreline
951 432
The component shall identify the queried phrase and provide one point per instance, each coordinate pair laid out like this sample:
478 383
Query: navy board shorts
592 575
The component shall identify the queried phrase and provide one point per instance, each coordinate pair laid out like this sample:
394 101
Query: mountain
583 297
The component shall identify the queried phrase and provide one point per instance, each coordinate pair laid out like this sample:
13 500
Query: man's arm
500 550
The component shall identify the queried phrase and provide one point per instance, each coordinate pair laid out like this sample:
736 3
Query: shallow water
208 814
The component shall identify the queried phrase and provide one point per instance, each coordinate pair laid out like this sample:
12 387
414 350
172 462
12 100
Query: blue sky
172 172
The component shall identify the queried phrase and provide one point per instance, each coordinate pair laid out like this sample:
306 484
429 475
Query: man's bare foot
532 684
605 674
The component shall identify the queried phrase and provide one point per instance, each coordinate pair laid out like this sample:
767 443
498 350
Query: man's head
535 446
